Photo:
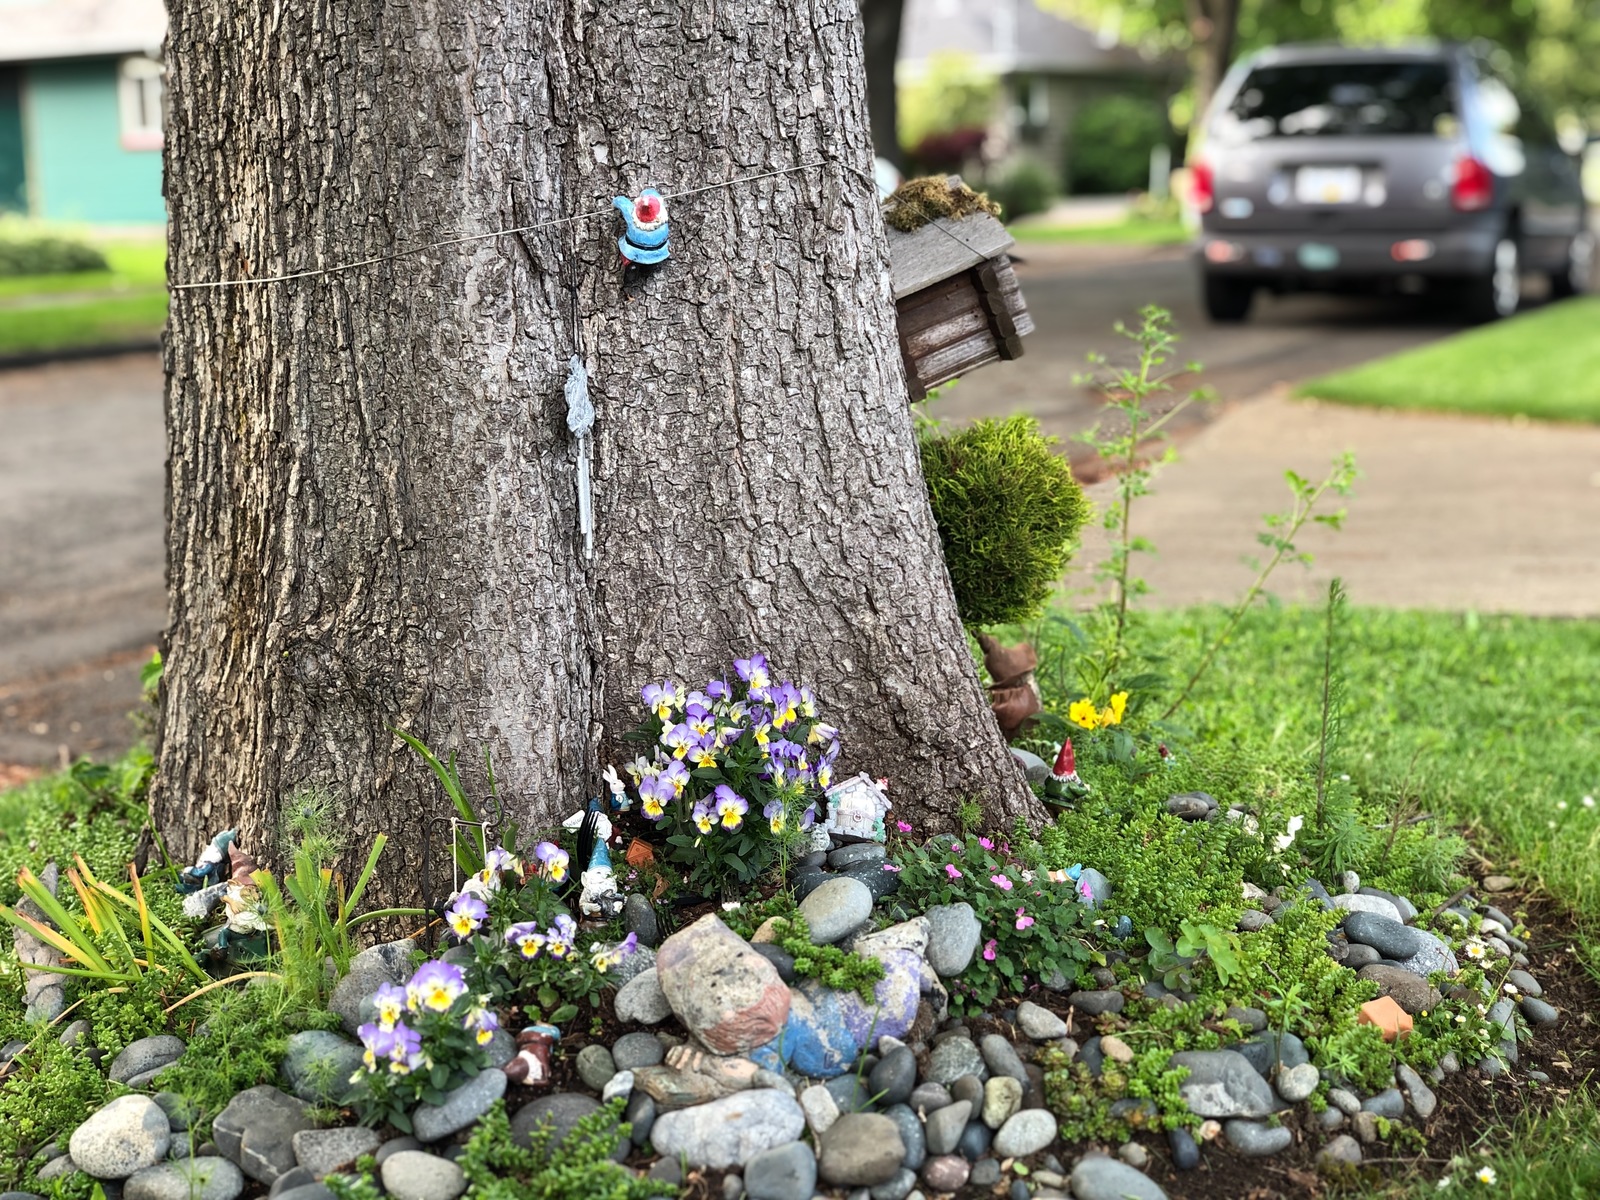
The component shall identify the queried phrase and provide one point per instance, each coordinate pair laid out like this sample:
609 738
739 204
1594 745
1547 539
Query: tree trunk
881 22
372 499
1214 27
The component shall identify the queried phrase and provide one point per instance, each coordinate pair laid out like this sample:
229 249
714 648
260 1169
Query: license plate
1314 256
1327 185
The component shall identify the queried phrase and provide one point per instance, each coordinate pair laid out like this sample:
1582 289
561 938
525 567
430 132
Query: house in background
1048 68
80 110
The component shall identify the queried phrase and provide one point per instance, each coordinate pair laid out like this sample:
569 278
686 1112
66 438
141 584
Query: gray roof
39 29
1012 36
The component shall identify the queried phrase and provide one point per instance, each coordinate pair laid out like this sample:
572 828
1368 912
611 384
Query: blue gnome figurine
645 242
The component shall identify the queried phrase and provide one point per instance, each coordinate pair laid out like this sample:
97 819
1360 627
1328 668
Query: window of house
140 96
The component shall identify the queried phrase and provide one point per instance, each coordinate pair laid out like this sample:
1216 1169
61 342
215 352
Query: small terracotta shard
1387 1015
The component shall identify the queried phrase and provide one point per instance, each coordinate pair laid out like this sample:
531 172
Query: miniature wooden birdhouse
956 296
856 808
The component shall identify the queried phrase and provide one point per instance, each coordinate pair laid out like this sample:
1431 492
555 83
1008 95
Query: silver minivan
1419 168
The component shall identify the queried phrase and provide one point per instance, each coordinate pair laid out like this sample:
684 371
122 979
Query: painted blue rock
828 1029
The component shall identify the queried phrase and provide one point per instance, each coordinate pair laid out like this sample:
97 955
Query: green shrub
48 256
498 1169
1025 189
1108 149
1008 511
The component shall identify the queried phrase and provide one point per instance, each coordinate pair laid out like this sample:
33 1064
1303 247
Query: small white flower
1552 824
1511 989
1486 1175
1345 778
1562 805
1286 839
1461 1019
1444 1182
730 905
1588 801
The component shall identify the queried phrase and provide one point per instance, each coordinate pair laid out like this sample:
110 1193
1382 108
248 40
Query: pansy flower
607 957
785 706
390 1002
809 817
501 859
554 860
753 670
731 807
677 775
808 702
481 1023
405 1050
702 817
436 986
824 774
678 738
558 941
639 769
654 796
1083 713
821 733
526 939
704 752
660 698
465 915
774 814
718 689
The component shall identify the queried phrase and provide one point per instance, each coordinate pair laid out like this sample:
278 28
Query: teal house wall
13 169
78 168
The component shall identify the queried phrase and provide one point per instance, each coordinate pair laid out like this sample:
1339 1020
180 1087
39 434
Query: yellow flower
1119 703
1082 712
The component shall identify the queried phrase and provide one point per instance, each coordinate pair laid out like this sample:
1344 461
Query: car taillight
1202 186
1473 188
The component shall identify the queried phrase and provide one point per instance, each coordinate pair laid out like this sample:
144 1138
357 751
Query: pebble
1255 1140
1252 1019
322 1151
619 1085
1498 883
1222 1083
894 1076
1185 1151
1367 904
1538 1012
787 1172
947 1173
968 1088
1134 1155
1388 1103
1298 1082
945 1126
1191 806
861 1150
395 1146
1331 1119
898 1188
1028 1132
1097 1177
1002 1098
414 1175
1366 1126
1001 1057
835 908
1357 956
141 1061
562 1111
927 1096
1038 1023
911 1134
125 1136
1525 983
595 1066
639 917
782 961
462 1106
210 1178
1268 1050
953 935
850 1093
953 1058
1116 1049
1406 909
1423 1101
1342 1151
855 855
641 1001
1411 992
640 1116
1345 1101
820 1108
1253 921
985 1173
317 1066
1103 1000
733 1130
976 1139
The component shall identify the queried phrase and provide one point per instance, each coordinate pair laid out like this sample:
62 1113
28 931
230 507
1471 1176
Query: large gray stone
1097 1177
1410 991
1222 1083
787 1172
322 1151
317 1066
953 1058
911 1134
953 934
861 1150
387 962
726 995
1001 1057
1255 1140
1367 904
1028 1132
561 1113
641 1000
125 1136
1039 1023
256 1131
206 1178
731 1131
141 1061
945 1126
414 1175
836 908
462 1106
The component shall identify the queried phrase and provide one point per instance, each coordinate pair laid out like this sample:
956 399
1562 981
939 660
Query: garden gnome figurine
531 1066
1064 784
207 870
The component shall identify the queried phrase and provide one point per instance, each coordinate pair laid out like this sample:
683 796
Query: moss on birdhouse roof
916 202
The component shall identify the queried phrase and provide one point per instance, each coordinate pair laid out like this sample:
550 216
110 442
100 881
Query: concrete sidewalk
1450 513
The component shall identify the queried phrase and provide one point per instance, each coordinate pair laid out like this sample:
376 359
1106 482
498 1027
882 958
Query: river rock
596 1066
317 1066
641 1001
953 938
1255 1140
1423 1101
820 1108
947 1173
1104 1000
1524 983
725 993
141 1061
836 908
462 1106
1002 1097
857 854
1185 1150
1410 991
944 1126
125 1136
206 1178
1343 1151
893 1078
731 1131
1097 1177
387 962
1039 1023
639 918
635 1050
322 1151
1192 806
1413 949
560 1112
1222 1083
861 1150
1298 1082
1034 770
415 1175
1367 904
256 1130
1389 1104
1538 1012
787 1172
912 1135
953 1058
1027 1132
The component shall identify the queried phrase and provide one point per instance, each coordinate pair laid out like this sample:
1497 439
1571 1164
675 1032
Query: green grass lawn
1133 231
127 303
1543 364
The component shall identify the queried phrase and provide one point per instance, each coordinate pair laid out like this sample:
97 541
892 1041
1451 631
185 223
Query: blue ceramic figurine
645 242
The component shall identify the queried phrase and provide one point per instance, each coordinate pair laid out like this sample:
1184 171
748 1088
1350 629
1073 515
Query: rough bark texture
372 502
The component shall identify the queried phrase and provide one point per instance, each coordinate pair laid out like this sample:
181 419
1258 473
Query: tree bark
372 501
1214 26
881 26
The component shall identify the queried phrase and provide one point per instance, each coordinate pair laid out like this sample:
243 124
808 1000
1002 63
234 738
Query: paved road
81 600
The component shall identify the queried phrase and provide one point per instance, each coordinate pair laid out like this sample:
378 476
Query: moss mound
916 202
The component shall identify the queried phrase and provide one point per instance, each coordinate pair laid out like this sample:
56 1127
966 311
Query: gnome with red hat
1064 785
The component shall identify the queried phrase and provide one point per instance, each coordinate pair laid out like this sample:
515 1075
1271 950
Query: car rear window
1338 99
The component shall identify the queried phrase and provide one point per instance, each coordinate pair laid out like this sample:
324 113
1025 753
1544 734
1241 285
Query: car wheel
1497 292
1574 281
1227 300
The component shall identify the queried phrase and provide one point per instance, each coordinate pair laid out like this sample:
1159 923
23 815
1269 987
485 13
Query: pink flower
988 950
1085 890
891 867
1002 882
950 870
986 843
902 826
1023 920
1005 847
